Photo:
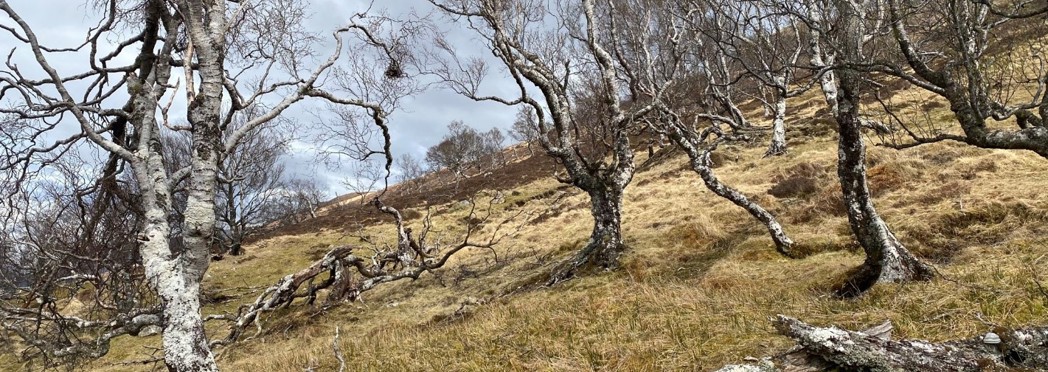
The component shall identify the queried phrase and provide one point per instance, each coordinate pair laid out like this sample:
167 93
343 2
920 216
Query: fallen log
829 348
349 273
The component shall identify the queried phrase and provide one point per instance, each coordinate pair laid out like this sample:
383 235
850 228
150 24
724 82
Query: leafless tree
411 172
854 25
525 128
699 143
297 201
72 271
693 112
251 178
464 149
494 142
564 58
460 149
749 49
352 270
971 54
225 59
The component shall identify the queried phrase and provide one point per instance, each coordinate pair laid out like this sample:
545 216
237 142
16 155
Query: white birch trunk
886 258
700 163
778 126
185 345
819 59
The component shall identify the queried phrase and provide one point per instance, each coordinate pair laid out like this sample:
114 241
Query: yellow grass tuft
699 284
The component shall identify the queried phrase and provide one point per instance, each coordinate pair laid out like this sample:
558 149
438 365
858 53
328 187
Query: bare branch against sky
419 124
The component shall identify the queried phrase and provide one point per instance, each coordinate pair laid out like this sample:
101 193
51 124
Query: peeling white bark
886 258
822 59
778 124
832 348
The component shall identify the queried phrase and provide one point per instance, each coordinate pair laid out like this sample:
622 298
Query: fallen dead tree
350 272
831 348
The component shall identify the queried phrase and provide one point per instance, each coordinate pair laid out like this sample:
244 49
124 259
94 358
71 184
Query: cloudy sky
420 122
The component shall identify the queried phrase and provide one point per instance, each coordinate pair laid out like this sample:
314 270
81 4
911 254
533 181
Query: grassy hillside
698 285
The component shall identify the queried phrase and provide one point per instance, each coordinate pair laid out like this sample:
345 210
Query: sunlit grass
697 287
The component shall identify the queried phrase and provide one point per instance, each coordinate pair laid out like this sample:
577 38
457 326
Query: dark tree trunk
236 249
886 258
605 244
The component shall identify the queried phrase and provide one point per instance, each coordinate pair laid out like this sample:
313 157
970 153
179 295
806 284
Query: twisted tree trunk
605 244
886 258
701 165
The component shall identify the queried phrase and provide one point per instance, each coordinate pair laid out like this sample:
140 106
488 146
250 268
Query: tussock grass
701 278
700 281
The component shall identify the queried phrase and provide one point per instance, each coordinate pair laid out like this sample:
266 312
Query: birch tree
562 56
148 62
692 52
955 59
525 129
887 260
764 45
251 178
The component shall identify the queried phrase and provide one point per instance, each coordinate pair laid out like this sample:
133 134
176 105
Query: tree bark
821 59
185 345
778 125
701 164
886 258
206 28
1033 137
605 244
832 348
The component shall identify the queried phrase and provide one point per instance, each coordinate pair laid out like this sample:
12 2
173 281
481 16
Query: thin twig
338 351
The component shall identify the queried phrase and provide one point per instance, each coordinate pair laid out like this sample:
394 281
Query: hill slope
696 289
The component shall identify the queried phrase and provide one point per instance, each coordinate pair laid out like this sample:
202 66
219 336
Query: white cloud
420 123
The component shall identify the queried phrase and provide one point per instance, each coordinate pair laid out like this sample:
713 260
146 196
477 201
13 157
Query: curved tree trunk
886 258
700 163
783 243
605 244
1028 137
967 95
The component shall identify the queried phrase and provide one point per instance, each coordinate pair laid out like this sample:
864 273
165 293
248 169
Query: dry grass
699 283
